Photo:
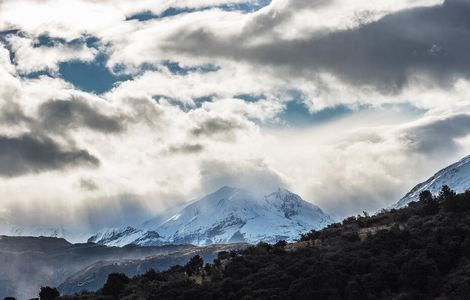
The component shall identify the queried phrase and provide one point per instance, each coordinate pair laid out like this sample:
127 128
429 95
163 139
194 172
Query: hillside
418 252
94 276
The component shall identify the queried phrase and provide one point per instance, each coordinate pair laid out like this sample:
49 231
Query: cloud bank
201 94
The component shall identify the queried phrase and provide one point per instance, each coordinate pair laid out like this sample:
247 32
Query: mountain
421 251
10 229
27 263
125 236
229 215
456 176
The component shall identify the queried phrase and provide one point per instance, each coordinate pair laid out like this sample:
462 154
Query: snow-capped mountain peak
231 215
287 202
456 176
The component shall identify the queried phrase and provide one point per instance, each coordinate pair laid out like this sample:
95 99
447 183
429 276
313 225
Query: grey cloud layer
32 154
36 152
185 149
430 41
217 127
437 137
60 115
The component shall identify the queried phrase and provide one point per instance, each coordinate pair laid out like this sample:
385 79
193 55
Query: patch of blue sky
92 76
244 7
3 40
297 114
4 33
36 74
199 101
406 108
48 41
250 97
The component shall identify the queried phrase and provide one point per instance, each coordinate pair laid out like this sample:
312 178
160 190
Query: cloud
254 175
11 113
33 154
367 167
437 136
88 184
385 53
185 149
62 115
29 58
218 128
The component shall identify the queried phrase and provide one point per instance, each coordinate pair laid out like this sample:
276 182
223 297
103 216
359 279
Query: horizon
116 112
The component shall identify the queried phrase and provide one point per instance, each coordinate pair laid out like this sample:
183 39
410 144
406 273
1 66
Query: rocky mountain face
456 176
229 215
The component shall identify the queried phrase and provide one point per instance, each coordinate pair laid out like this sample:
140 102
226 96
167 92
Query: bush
115 284
194 265
48 293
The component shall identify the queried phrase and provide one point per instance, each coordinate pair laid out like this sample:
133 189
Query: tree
280 244
48 293
223 255
115 284
194 265
425 196
431 206
354 291
449 198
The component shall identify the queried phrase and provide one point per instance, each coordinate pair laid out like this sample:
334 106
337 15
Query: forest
418 252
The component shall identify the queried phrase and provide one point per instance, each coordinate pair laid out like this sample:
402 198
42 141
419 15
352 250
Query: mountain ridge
229 215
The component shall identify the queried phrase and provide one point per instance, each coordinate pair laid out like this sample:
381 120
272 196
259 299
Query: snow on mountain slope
116 237
14 230
456 176
229 215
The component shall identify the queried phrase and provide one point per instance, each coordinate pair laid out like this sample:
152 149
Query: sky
113 111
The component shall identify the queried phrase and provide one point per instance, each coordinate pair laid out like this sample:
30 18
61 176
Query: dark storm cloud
217 127
61 115
185 149
431 41
438 136
33 154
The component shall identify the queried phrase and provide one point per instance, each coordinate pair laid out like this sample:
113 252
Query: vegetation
418 252
48 293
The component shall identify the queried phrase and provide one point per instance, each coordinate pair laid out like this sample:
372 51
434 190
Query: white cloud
30 59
